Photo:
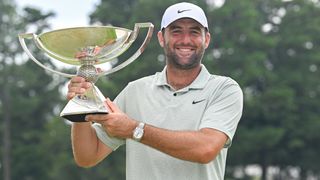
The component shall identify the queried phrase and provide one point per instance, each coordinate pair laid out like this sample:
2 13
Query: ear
160 38
207 39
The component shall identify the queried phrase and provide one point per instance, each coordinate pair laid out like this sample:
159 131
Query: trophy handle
132 37
25 48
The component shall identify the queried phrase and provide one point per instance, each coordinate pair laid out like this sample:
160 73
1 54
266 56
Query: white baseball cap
183 10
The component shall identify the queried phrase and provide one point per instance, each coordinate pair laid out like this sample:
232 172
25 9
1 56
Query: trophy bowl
86 47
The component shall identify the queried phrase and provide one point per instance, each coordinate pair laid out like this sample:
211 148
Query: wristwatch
138 132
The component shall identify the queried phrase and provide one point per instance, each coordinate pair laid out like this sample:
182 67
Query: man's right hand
77 86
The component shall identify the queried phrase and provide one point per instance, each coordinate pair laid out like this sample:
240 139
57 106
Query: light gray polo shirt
210 101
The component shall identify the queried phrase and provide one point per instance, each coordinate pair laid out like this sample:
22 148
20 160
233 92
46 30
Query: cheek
162 44
165 43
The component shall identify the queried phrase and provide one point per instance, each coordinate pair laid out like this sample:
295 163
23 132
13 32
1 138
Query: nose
186 38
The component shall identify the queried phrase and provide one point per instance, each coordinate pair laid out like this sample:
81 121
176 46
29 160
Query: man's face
184 42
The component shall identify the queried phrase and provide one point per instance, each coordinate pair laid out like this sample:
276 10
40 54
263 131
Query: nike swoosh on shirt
196 102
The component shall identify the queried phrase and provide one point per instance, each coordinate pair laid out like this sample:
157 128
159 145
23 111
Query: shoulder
222 81
141 83
147 80
223 87
134 90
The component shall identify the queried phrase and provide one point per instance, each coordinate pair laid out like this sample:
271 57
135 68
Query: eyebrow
179 27
174 27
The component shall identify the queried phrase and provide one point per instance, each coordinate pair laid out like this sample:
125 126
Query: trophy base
91 102
79 117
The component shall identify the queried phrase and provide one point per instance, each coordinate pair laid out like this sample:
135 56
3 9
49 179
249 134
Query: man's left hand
116 123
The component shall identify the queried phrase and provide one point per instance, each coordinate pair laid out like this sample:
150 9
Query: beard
189 63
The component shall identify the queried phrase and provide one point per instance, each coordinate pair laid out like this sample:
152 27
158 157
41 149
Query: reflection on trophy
86 47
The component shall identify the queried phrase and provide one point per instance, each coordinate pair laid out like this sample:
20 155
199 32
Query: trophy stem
89 72
92 102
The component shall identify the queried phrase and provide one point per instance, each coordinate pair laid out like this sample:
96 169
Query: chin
186 66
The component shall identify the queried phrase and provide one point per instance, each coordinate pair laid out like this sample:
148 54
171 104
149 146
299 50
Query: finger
72 92
112 106
73 83
99 70
98 118
70 95
85 85
77 79
80 54
77 90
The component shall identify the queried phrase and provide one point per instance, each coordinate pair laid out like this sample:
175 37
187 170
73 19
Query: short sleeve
109 141
224 110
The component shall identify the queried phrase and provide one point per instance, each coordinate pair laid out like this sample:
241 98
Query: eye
176 31
195 32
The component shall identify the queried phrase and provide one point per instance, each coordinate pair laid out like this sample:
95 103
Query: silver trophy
86 47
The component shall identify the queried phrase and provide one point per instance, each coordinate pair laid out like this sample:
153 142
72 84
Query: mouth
185 51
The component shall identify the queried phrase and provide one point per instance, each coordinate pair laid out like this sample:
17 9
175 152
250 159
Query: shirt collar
198 83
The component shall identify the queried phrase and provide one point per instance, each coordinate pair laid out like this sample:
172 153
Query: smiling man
177 124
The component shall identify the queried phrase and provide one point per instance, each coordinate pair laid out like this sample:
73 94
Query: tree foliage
271 47
28 98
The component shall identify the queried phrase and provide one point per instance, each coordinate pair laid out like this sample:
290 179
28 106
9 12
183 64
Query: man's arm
88 150
197 146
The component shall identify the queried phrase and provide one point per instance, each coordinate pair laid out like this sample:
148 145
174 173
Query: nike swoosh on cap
181 11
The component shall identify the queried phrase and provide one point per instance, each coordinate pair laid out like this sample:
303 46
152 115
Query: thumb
112 106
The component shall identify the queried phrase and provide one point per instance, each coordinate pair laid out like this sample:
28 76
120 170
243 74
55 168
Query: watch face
138 133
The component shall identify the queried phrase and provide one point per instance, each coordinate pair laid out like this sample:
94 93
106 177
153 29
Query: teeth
185 49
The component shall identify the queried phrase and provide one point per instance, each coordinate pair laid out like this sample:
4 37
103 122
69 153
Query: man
176 124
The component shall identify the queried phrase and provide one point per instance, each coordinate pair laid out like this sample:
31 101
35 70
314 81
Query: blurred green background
270 47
